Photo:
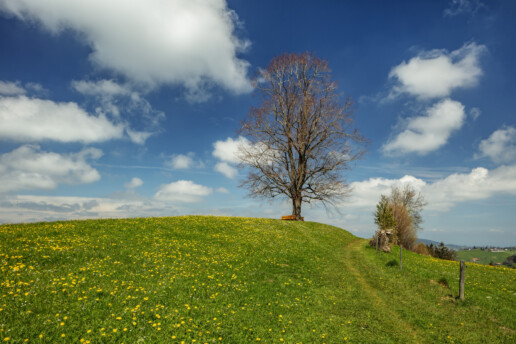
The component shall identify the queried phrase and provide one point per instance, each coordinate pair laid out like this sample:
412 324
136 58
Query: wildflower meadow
199 279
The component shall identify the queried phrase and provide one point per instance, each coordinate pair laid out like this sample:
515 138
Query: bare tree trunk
296 208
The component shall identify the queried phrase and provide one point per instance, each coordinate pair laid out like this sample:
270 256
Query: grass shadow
392 263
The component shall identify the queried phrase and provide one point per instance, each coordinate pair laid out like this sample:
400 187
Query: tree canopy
301 136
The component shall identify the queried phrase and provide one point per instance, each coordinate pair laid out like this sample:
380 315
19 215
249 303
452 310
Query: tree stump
383 237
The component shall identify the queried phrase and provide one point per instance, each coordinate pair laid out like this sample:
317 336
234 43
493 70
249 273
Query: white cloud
103 88
227 151
475 113
442 194
457 7
120 101
367 193
24 119
425 134
8 88
500 147
31 208
222 190
183 161
138 137
36 88
27 167
182 191
226 169
436 73
181 42
134 183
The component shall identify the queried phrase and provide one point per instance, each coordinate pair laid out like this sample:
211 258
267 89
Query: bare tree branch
301 137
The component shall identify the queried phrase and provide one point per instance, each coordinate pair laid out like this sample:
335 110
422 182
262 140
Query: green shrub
392 263
383 217
442 252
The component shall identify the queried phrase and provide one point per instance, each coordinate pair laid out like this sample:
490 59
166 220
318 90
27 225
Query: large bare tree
301 137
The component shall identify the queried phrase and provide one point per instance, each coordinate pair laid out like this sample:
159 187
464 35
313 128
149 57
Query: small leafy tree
406 205
384 217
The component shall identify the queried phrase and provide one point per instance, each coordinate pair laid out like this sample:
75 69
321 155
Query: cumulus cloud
442 194
367 193
437 73
134 183
500 147
226 169
180 161
8 88
227 151
183 161
427 133
222 190
28 167
181 42
182 191
480 183
24 119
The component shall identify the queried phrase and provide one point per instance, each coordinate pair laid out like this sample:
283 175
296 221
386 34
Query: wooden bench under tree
291 217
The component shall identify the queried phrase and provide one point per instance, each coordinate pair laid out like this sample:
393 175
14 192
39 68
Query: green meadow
200 279
484 257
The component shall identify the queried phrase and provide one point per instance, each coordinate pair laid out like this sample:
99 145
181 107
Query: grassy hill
236 280
484 257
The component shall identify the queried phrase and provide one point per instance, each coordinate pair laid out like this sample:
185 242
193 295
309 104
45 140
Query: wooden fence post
461 279
401 257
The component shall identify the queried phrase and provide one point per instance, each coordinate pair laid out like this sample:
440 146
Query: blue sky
121 109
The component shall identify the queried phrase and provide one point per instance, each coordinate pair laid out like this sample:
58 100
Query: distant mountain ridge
437 243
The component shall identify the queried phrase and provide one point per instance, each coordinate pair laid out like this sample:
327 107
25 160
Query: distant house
474 259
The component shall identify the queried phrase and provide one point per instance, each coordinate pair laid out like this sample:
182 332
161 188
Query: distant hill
484 256
436 243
